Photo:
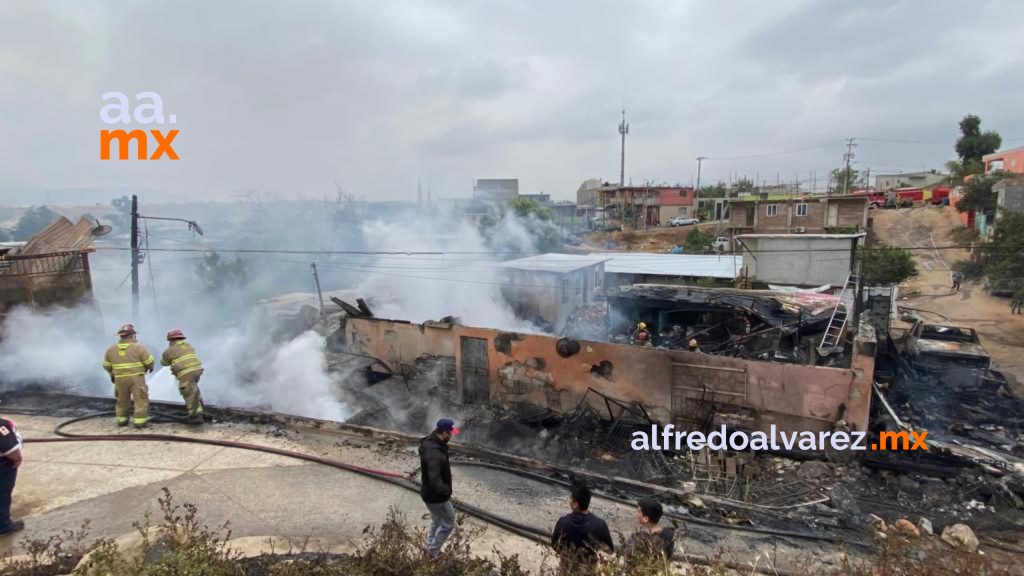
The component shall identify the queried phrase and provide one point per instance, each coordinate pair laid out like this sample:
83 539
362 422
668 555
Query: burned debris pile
756 324
973 470
588 322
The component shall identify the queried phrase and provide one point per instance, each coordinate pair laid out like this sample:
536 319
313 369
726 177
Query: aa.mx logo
149 109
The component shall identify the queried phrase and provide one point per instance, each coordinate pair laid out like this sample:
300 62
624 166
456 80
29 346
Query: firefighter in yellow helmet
186 367
127 363
694 346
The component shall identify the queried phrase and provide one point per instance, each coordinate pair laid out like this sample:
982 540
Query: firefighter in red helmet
127 363
186 367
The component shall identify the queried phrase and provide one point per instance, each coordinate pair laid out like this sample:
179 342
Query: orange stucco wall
794 397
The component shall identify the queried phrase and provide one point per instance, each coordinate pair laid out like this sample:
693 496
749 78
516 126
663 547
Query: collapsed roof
772 308
60 236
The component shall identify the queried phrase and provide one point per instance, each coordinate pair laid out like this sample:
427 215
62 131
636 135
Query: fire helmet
175 335
642 326
693 343
126 330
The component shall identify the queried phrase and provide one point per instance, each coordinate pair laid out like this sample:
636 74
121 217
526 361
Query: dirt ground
661 239
1001 334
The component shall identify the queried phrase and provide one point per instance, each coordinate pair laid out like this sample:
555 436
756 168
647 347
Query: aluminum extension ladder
837 323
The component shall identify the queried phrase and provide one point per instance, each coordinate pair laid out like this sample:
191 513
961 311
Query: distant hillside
23 193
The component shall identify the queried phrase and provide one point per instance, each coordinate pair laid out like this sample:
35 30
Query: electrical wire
152 282
652 255
781 153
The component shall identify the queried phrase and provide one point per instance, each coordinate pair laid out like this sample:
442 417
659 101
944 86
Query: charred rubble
754 324
972 473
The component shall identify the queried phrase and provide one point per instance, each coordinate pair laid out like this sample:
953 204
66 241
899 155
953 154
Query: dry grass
182 545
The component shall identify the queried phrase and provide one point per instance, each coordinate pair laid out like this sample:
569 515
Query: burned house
762 324
52 268
690 389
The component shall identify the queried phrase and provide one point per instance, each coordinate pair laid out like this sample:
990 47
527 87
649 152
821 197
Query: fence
45 279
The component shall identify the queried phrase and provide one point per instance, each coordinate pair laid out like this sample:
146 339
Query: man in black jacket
10 460
436 484
578 535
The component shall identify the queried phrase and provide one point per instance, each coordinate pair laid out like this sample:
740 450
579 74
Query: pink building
1011 160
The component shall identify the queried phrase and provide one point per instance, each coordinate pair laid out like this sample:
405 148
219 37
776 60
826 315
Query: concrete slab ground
273 498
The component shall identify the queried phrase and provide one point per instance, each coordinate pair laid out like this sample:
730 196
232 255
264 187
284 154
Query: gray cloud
295 96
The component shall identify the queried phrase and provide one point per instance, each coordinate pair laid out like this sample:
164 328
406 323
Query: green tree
217 274
1004 255
744 185
956 172
121 220
526 207
978 194
713 191
883 265
846 180
973 144
536 219
33 221
698 242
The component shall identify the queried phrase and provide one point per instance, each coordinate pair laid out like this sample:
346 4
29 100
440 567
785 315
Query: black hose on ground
394 478
680 517
405 481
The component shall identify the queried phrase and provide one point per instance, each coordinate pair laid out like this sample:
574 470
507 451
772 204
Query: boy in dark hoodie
652 539
578 535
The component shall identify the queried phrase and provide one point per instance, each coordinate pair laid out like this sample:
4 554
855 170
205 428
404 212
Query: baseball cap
447 425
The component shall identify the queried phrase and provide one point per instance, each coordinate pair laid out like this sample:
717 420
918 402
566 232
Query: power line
768 154
653 255
338 252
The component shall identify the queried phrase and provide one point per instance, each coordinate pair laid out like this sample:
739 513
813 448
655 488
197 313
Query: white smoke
245 365
60 350
245 368
466 283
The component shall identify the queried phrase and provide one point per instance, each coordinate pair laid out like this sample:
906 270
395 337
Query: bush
186 547
698 242
883 265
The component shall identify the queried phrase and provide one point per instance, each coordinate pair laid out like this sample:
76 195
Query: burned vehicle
936 348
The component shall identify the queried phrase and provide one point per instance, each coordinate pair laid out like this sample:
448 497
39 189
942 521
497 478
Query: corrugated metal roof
686 265
60 236
553 262
814 236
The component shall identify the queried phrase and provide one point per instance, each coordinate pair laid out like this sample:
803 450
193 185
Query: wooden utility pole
696 191
320 295
137 254
135 258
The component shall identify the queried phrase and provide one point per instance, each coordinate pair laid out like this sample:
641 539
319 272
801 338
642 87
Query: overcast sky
295 96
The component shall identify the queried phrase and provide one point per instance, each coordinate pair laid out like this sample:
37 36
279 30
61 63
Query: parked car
680 221
936 348
721 244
